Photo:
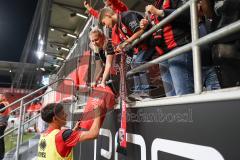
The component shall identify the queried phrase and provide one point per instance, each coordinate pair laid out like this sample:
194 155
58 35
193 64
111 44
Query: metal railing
22 108
194 46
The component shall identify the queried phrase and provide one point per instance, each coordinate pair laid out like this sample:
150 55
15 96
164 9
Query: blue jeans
210 79
179 81
209 74
177 75
141 82
167 79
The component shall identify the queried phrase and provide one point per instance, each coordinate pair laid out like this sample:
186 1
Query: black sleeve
66 134
109 48
131 21
1 107
183 18
97 56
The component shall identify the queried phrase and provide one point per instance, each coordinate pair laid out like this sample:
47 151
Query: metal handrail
158 26
34 92
31 101
70 54
15 128
22 111
225 31
196 42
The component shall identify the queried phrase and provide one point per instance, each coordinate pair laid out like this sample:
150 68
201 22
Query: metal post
19 130
221 33
95 149
195 49
72 106
22 127
61 83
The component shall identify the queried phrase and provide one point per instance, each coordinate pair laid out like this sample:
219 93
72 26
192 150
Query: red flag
82 71
122 140
100 97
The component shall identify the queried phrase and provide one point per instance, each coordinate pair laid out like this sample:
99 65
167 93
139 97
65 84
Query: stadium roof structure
55 26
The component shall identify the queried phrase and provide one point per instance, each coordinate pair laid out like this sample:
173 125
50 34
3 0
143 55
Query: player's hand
93 84
102 84
76 126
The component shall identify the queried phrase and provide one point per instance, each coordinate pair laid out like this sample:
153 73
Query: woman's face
97 40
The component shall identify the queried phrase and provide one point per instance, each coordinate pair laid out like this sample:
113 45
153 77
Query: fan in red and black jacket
177 32
174 35
117 6
126 25
177 70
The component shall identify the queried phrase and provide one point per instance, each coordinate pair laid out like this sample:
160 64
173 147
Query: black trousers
229 74
227 57
2 145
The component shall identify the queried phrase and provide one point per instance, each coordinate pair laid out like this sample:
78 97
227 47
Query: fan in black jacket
226 51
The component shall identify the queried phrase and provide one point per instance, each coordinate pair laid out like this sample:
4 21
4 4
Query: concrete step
27 151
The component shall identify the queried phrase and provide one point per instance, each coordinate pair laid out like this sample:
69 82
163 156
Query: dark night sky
15 21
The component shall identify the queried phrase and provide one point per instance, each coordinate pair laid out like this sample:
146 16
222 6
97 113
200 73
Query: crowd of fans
219 60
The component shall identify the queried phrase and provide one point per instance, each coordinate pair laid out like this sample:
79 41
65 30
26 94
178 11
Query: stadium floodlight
71 35
65 49
41 42
60 58
40 54
56 65
81 15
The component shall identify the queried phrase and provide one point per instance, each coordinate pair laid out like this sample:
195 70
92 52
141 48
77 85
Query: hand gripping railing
196 42
22 111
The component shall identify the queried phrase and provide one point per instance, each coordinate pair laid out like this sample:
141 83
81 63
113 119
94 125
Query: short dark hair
50 110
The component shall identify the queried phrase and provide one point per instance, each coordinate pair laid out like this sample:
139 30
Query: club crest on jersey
43 144
133 24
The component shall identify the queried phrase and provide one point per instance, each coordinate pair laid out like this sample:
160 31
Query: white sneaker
147 99
128 100
144 95
135 97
